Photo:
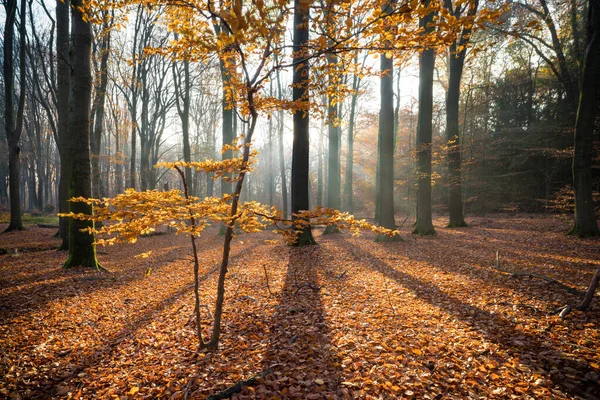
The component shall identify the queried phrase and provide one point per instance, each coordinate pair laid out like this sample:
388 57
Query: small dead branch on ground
587 299
227 393
267 280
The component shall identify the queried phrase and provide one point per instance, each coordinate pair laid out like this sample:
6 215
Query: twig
581 347
267 280
309 285
49 226
587 299
207 310
340 276
565 311
227 393
523 305
387 293
403 222
197 353
531 275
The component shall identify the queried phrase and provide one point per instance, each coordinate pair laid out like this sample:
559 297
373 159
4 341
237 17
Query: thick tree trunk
13 122
585 217
385 162
424 224
455 203
300 151
82 251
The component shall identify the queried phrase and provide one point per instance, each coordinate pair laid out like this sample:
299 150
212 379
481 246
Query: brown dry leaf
347 319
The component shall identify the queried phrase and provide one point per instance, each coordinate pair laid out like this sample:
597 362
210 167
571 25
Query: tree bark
585 217
334 192
424 224
82 251
300 150
182 97
284 189
98 189
385 162
63 82
13 123
456 61
320 158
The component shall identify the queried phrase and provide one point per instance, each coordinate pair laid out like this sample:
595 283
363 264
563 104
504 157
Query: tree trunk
270 168
98 189
320 166
13 123
585 217
385 162
182 97
424 224
300 151
455 204
63 82
284 190
118 158
228 134
82 251
334 192
133 155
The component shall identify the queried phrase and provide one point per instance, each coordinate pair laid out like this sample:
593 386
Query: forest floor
427 318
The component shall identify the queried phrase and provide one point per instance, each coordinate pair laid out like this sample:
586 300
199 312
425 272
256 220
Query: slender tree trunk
270 167
118 159
397 108
320 162
334 192
424 225
348 189
210 182
455 203
13 122
182 97
133 134
228 134
98 189
585 217
82 251
284 189
300 152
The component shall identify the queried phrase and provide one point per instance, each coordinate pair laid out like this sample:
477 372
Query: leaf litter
428 318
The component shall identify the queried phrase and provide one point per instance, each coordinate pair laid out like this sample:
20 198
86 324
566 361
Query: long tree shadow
527 348
28 294
300 352
472 259
110 346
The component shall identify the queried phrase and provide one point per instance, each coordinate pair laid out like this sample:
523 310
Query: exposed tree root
567 308
561 285
587 299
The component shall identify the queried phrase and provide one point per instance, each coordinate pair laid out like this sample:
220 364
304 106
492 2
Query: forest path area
429 317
